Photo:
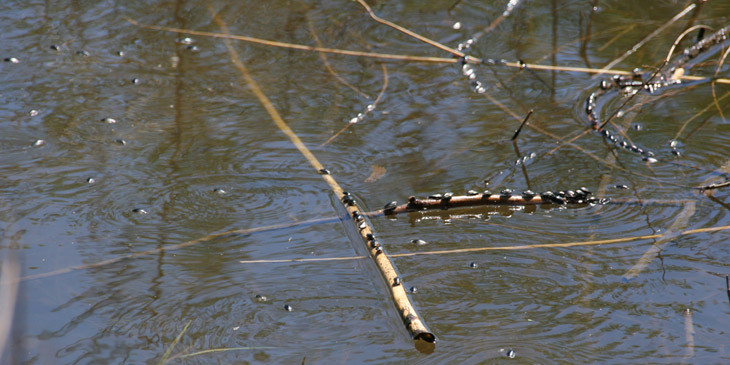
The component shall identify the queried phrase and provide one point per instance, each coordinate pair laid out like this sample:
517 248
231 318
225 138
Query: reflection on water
201 156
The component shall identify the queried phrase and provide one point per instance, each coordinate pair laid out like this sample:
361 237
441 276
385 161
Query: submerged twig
696 115
650 36
165 357
368 109
326 62
511 4
714 95
406 310
671 233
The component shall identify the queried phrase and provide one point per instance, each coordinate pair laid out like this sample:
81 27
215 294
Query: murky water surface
192 153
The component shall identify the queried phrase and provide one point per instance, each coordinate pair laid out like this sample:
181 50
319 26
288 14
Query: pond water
117 139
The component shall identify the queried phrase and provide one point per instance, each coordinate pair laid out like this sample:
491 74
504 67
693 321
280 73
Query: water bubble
33 113
109 120
673 143
480 90
38 143
650 159
456 26
620 114
371 107
186 40
353 120
360 116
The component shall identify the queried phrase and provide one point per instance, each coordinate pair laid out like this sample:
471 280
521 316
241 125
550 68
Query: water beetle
288 308
396 281
448 196
413 290
418 242
435 196
473 265
370 236
391 206
472 193
324 171
505 194
528 195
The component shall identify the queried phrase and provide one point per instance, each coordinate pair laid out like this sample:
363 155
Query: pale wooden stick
407 311
297 46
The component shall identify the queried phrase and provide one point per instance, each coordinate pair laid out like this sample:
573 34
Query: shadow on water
116 139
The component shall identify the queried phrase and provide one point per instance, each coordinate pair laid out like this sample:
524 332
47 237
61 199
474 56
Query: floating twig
504 248
506 197
713 186
301 47
601 71
421 38
681 37
406 310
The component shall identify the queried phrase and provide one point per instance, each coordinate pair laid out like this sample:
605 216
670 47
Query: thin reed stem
297 46
406 310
